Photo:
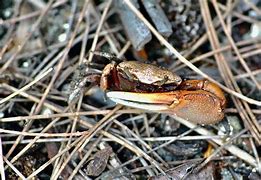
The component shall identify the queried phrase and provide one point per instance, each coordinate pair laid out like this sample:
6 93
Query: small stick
136 30
158 17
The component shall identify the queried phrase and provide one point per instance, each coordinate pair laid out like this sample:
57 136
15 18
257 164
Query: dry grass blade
94 43
26 87
73 114
2 171
43 134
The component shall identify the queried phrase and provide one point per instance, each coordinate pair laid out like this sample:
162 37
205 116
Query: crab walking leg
199 106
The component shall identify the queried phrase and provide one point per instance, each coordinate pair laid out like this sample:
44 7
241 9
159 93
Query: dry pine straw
80 139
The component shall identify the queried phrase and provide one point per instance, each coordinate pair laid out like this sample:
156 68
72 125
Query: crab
149 87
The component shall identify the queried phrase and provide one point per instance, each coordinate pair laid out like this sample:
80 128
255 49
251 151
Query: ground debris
98 162
186 171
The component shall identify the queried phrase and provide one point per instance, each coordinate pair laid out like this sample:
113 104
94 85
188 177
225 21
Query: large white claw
144 101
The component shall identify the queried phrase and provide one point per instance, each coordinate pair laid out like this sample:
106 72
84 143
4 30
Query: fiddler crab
153 88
